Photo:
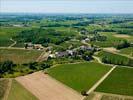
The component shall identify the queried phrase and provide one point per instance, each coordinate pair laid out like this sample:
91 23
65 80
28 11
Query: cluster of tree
120 29
56 25
83 31
116 59
84 23
125 31
43 36
126 26
85 54
98 37
123 44
8 67
37 66
116 21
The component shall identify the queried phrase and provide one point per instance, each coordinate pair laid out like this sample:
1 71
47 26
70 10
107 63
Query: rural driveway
46 88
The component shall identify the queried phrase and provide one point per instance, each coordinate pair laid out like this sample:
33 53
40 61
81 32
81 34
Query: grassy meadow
80 76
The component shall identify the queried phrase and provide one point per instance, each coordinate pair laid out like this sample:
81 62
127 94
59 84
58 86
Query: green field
18 92
3 87
19 56
120 81
80 76
127 51
111 40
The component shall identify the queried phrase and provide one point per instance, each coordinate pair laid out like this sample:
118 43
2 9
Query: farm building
33 46
61 54
38 46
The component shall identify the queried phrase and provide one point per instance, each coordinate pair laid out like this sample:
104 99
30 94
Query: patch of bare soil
111 49
122 36
46 88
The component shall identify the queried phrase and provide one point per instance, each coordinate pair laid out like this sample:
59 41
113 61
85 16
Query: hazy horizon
69 6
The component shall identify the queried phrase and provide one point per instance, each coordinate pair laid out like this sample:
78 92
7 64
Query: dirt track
46 88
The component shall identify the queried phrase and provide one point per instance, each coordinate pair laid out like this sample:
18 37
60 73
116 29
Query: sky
67 6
